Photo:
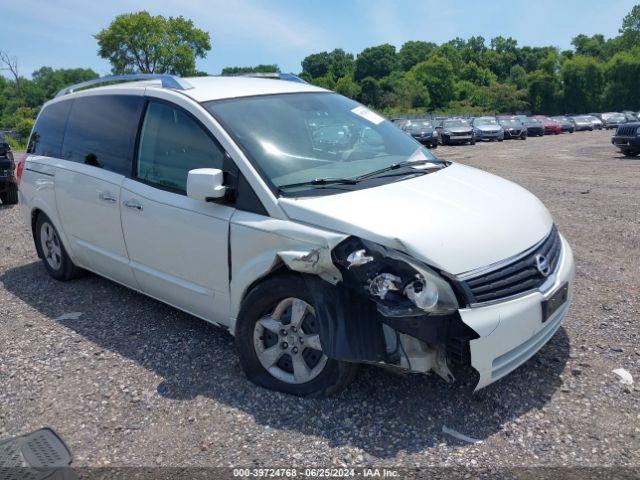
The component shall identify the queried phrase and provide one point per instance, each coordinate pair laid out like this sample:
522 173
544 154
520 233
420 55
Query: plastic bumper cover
511 332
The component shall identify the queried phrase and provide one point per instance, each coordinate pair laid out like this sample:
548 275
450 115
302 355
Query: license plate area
555 301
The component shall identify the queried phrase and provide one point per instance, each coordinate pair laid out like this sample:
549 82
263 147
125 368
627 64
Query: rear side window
171 144
48 131
101 131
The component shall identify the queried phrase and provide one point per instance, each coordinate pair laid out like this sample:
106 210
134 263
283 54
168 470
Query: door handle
107 196
133 203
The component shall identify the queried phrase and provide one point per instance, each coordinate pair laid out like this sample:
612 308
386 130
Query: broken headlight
400 285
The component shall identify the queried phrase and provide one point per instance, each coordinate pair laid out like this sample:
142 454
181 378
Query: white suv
313 229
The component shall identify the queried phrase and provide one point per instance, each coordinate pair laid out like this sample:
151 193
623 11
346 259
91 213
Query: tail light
20 167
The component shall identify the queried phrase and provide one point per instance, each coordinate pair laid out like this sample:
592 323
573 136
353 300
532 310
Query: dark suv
423 131
8 185
627 139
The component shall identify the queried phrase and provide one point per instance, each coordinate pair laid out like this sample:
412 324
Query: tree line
472 76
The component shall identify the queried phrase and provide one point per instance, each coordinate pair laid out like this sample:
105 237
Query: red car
549 125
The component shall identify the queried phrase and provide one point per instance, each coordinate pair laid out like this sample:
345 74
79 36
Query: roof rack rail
271 75
168 81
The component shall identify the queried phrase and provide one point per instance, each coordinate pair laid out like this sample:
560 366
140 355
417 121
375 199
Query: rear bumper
511 332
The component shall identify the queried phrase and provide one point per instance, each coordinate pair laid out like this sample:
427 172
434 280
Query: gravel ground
132 382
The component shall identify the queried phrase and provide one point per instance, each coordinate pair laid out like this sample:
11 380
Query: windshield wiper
321 181
396 166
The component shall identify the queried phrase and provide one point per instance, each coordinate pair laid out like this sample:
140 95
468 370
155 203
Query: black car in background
456 131
565 123
534 127
8 184
423 130
627 139
513 128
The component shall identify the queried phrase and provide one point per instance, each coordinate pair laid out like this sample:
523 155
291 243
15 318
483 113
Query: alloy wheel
287 342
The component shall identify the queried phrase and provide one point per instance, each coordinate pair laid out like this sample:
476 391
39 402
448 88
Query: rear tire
10 196
52 252
279 314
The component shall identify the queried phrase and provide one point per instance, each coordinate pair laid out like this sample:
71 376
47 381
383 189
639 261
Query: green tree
48 81
257 69
370 92
403 92
477 75
140 42
518 77
623 76
630 30
583 81
436 74
413 52
337 63
348 87
543 91
376 62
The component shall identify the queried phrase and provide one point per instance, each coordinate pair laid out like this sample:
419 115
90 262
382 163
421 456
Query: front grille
518 277
624 131
460 134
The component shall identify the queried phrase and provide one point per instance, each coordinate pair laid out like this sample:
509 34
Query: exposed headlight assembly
399 285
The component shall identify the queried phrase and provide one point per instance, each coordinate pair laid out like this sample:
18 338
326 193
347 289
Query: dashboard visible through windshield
301 140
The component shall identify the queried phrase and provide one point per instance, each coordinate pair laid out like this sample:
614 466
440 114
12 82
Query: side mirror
205 184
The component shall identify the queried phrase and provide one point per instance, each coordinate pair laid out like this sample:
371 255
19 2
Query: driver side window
171 144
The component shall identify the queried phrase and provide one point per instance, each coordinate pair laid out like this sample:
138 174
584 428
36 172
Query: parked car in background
595 121
627 139
630 116
218 196
487 128
456 131
550 127
422 130
582 122
8 185
613 119
513 128
399 122
533 125
565 123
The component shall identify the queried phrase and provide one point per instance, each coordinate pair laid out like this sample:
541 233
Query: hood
456 219
420 131
488 128
457 129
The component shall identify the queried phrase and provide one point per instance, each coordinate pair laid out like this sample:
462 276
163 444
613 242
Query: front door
177 246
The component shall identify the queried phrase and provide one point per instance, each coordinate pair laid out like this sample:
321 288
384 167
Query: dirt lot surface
133 382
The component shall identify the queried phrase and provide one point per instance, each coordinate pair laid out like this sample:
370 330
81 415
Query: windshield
510 122
485 121
454 123
300 137
582 119
531 120
416 124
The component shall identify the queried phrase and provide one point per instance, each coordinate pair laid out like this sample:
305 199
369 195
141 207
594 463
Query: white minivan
317 232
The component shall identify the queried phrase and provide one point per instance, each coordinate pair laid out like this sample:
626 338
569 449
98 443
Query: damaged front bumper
493 338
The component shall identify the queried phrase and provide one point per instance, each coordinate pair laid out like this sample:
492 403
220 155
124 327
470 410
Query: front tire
278 341
52 252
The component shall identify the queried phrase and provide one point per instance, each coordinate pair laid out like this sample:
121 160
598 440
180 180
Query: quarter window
101 131
46 138
171 144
